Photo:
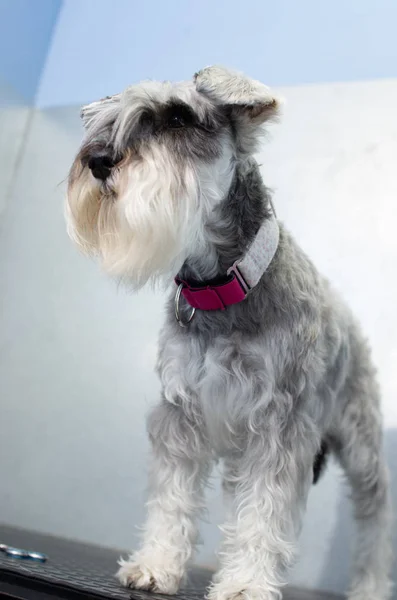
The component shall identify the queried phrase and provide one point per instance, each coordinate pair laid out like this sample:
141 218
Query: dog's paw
147 576
233 591
368 596
371 590
365 596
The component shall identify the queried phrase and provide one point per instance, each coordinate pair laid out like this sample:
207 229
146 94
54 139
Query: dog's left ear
250 102
102 107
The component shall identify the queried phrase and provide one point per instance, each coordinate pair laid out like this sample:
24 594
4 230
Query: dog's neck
232 227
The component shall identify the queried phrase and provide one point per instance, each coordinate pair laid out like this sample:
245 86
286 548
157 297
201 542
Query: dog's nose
100 166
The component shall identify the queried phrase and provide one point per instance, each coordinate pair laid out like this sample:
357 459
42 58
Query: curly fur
268 385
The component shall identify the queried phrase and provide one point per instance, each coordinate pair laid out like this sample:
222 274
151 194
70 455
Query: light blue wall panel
101 46
26 28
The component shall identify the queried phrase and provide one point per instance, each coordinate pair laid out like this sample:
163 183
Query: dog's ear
100 108
250 102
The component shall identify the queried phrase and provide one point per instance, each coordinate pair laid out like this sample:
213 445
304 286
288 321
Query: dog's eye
146 120
179 116
176 121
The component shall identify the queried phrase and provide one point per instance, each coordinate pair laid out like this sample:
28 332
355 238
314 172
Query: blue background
61 53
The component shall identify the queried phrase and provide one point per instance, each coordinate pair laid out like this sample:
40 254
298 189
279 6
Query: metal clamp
238 275
178 316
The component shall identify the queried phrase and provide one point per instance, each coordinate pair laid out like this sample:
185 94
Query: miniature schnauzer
261 364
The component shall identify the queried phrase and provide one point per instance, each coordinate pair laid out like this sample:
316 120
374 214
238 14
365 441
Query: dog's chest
221 381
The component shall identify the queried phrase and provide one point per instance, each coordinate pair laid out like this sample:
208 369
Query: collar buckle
239 277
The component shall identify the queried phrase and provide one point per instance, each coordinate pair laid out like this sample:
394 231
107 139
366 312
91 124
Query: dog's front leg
179 467
270 483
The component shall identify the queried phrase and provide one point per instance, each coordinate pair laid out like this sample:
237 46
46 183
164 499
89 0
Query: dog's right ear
101 108
250 102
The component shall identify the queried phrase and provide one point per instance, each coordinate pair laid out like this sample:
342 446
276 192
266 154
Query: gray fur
290 369
266 384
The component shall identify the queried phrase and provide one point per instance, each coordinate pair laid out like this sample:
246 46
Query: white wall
77 353
14 120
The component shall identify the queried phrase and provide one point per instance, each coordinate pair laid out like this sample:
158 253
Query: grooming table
76 571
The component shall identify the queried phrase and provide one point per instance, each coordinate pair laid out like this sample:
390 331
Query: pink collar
240 277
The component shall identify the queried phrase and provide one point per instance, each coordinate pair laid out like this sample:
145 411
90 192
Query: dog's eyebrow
207 121
89 110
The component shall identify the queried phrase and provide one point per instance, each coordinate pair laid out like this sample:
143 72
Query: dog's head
155 162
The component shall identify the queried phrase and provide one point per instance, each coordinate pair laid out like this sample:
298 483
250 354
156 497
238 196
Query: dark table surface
76 570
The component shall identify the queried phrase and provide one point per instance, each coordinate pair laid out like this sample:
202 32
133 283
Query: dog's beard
140 221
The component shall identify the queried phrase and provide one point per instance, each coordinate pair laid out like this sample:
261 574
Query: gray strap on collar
261 252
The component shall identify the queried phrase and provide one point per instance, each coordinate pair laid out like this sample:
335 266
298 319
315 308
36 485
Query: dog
261 364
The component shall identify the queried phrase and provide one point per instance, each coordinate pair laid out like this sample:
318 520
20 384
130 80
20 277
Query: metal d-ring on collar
178 316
